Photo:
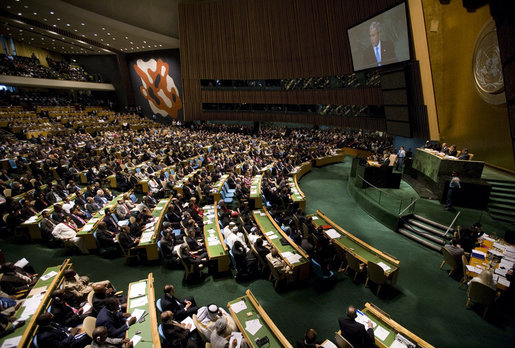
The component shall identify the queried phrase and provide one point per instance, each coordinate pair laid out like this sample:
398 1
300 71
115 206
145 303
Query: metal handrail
402 212
452 223
383 191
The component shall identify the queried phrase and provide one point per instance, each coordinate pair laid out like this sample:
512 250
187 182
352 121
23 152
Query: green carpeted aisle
424 300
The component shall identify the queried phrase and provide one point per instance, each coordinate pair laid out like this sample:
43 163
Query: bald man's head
351 312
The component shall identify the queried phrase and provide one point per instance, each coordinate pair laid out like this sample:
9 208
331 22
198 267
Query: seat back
161 333
375 273
89 325
353 262
341 342
481 293
261 262
158 305
464 263
317 269
305 230
449 259
273 271
296 220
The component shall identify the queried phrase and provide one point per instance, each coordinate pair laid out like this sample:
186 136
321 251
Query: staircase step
426 228
508 196
497 189
426 235
431 222
505 183
419 240
497 211
502 200
502 218
500 206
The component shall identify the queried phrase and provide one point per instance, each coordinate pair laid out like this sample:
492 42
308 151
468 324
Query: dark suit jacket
11 284
175 335
356 334
175 305
64 315
114 322
56 336
387 55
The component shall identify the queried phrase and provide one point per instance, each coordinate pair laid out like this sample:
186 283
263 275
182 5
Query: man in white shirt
67 232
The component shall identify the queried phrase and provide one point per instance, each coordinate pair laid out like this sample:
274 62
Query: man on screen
380 52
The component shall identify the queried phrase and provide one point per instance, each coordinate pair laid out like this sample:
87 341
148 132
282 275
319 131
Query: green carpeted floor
424 300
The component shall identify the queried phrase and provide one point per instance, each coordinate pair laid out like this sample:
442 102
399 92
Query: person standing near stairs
454 186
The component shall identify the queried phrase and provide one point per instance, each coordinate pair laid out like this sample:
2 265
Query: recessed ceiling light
31 28
144 41
131 42
26 6
75 30
51 12
19 13
137 47
108 33
54 25
82 24
160 45
107 44
45 19
103 28
101 39
94 34
83 35
18 30
114 38
35 13
8 6
127 37
58 18
67 24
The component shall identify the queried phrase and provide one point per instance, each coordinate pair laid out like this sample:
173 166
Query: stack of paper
238 306
253 326
138 289
381 333
384 266
333 234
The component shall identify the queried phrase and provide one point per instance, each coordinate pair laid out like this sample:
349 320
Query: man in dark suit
52 335
355 332
177 334
309 340
115 321
181 308
380 52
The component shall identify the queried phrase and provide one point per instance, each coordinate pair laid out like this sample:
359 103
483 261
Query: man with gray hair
379 52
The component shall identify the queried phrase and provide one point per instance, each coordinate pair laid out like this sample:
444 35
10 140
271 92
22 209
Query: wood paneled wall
271 39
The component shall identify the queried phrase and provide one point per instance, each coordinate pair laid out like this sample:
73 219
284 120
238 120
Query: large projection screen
381 40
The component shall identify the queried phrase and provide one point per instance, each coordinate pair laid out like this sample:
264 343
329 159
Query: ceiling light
35 13
107 44
19 13
103 28
94 34
75 30
114 38
127 37
131 42
160 45
108 33
102 40
8 6
54 25
51 12
83 35
144 41
31 28
26 6
45 19
82 24
67 24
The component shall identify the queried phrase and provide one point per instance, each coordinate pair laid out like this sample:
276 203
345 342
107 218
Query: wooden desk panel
361 250
268 328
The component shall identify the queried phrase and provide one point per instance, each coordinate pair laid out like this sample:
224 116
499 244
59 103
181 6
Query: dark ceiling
92 27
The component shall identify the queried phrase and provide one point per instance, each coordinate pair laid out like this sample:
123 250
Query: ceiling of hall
92 27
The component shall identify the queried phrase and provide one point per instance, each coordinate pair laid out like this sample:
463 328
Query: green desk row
273 233
141 296
214 241
40 293
150 236
255 191
247 308
361 250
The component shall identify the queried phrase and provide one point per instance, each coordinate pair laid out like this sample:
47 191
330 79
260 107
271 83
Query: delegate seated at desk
354 332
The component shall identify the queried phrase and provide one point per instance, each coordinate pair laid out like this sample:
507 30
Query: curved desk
213 239
273 233
361 250
247 308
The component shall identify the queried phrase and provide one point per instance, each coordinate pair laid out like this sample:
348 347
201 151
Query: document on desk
504 281
238 306
135 340
48 276
384 266
138 313
214 242
236 336
138 289
138 302
30 306
273 236
329 344
87 227
187 321
11 342
332 233
253 326
381 333
473 269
